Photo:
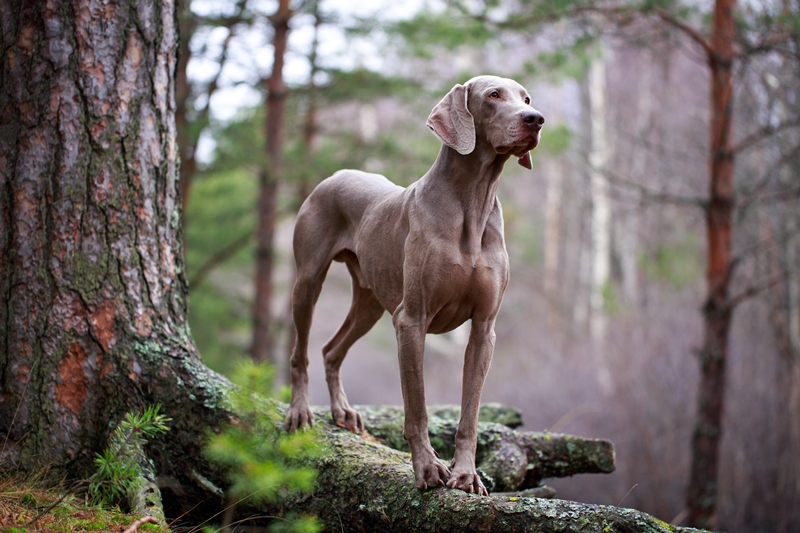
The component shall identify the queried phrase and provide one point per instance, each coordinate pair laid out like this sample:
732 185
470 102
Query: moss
23 500
89 273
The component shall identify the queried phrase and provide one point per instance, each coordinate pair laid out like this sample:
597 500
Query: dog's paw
298 417
348 418
431 475
468 482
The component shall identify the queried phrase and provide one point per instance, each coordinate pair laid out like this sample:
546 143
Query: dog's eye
527 101
494 94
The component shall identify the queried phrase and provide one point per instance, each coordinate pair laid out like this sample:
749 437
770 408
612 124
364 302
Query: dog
433 255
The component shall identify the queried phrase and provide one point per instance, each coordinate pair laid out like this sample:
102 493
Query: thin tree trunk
717 311
305 184
628 225
187 23
552 233
189 130
268 189
601 218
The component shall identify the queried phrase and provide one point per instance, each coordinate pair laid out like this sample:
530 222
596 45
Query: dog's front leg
477 359
429 471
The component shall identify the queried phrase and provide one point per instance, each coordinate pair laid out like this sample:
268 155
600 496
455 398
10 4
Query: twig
688 30
71 490
14 418
139 523
762 134
752 290
627 494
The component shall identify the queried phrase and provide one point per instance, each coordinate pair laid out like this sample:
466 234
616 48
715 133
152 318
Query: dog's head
488 109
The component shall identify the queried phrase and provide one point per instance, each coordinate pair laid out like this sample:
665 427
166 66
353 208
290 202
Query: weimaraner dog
432 254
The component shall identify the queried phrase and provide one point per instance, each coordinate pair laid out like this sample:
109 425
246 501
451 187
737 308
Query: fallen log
514 460
364 485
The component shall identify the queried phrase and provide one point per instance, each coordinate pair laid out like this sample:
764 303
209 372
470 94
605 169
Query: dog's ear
452 122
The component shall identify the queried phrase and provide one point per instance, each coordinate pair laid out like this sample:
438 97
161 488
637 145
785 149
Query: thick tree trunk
93 313
717 311
268 190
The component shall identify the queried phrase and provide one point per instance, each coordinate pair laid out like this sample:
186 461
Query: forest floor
25 505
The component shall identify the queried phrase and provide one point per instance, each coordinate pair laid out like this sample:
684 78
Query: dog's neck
470 181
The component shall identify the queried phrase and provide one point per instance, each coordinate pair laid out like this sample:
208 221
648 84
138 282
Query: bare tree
599 156
268 189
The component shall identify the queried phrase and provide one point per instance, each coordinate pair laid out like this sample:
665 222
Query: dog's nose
533 118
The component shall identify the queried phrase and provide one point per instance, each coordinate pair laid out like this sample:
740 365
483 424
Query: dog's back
333 212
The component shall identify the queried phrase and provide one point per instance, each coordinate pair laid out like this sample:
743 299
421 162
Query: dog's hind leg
313 254
305 293
365 311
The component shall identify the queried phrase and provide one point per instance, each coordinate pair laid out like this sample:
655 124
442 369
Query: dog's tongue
525 161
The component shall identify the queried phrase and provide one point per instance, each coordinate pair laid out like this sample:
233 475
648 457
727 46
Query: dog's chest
464 285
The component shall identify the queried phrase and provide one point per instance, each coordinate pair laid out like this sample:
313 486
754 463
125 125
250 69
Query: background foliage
376 77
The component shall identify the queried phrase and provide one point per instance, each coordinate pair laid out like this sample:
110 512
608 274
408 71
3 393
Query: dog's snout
533 118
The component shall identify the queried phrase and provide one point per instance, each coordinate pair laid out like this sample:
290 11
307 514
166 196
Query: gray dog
433 255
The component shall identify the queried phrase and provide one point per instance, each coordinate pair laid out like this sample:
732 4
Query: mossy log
364 485
514 460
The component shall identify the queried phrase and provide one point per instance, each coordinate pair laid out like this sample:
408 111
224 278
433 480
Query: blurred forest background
603 323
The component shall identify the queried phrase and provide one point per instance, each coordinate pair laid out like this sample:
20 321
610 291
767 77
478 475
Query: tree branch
751 291
687 30
139 523
218 258
763 133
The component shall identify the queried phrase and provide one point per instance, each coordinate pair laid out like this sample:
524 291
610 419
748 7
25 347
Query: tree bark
268 190
93 314
717 311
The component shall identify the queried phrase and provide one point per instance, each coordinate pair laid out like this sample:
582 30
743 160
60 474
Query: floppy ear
452 122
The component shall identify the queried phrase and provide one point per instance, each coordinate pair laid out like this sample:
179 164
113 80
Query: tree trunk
628 219
190 129
553 228
268 190
304 186
187 23
717 311
93 314
601 218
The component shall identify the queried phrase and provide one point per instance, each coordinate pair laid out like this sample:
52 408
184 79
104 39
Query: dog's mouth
520 147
